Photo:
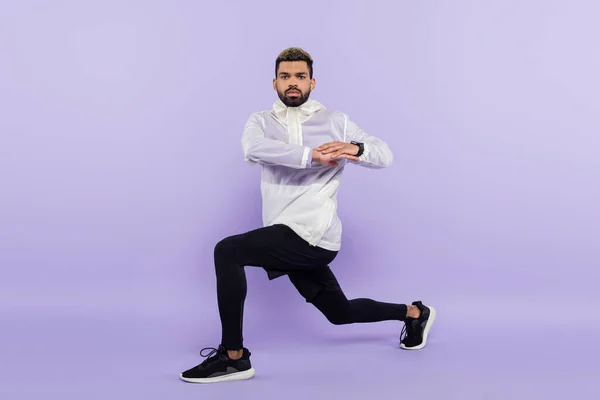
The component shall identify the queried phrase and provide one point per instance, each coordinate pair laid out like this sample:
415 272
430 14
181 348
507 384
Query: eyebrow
298 73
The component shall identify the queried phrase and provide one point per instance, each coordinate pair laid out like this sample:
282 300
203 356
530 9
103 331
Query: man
302 148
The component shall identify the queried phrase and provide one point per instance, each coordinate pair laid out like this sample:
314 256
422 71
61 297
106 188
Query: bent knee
338 319
334 306
226 247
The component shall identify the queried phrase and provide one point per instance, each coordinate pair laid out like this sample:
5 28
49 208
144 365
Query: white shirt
297 192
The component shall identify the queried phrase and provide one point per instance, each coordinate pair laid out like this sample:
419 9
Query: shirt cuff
307 157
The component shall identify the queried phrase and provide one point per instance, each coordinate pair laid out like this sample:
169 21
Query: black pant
280 251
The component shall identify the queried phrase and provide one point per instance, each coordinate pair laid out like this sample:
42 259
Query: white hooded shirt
296 191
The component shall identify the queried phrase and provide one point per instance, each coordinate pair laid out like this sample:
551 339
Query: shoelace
407 330
212 356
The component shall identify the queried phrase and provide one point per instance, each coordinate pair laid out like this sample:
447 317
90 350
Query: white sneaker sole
432 315
236 376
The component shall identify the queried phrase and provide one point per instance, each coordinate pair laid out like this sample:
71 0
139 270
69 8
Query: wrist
314 156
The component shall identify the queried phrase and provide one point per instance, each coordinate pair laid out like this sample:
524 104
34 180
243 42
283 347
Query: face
293 83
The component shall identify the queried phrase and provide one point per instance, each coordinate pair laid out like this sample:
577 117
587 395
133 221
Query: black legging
277 248
340 311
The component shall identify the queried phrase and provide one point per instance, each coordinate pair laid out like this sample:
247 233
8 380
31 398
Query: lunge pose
302 148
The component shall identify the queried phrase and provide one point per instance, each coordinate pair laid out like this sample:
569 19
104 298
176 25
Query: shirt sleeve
260 150
377 153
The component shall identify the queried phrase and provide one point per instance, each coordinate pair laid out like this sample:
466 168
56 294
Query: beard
293 101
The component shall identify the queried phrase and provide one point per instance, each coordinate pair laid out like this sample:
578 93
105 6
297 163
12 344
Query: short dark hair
294 54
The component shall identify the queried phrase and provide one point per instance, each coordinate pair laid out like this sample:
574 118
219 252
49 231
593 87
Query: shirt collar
305 110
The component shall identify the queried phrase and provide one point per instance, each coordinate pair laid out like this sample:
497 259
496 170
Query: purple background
121 167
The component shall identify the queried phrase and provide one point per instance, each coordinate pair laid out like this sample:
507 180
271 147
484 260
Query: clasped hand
327 153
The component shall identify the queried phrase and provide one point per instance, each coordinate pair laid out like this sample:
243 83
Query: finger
333 148
351 157
346 156
324 145
328 144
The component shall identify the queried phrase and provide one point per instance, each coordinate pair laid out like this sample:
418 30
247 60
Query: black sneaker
417 329
218 367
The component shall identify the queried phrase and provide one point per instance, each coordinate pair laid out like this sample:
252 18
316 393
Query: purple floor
73 353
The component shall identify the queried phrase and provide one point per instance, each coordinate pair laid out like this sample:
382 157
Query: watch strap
361 148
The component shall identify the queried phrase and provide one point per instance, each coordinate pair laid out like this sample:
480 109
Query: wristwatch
361 148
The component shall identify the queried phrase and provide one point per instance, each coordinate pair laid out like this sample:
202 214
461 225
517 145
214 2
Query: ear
313 84
275 84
